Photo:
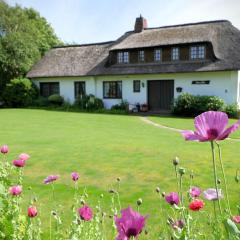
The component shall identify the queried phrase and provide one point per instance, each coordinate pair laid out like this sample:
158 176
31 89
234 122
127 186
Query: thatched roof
85 60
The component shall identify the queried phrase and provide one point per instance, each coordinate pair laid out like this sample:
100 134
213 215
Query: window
157 55
79 89
136 85
49 88
175 53
112 89
197 52
141 56
123 57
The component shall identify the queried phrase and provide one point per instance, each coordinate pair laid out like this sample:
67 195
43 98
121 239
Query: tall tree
24 37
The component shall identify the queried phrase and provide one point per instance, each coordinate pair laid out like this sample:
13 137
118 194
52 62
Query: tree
24 38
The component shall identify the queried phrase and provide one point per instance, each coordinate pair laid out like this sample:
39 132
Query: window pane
125 57
112 89
120 57
48 89
157 55
79 89
136 86
141 56
175 54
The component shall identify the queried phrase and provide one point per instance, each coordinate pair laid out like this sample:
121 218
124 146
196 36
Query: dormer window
123 57
175 53
157 55
197 52
141 56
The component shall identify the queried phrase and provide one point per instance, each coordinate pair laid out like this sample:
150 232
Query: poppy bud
182 171
139 202
157 189
237 178
175 161
163 194
219 181
111 191
118 179
191 175
82 201
101 196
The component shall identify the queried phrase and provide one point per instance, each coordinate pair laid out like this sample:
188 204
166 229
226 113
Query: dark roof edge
84 45
191 24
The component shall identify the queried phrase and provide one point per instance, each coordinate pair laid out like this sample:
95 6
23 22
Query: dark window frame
75 88
117 91
158 55
141 56
123 57
197 52
175 53
136 86
51 90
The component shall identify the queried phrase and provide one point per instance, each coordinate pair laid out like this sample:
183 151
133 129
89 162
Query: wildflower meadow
181 211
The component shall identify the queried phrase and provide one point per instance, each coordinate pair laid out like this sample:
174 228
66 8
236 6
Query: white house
147 65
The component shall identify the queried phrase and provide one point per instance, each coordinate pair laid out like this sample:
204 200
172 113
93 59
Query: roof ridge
83 45
190 24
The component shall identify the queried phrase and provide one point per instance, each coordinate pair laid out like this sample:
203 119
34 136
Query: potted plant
144 107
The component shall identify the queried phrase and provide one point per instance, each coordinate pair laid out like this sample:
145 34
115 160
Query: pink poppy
85 213
130 224
4 149
50 178
24 156
195 192
19 163
236 219
172 198
32 212
15 190
178 224
211 194
75 176
210 126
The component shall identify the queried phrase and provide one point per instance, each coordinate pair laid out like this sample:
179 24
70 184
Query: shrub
41 102
232 110
20 92
56 100
189 105
89 102
123 105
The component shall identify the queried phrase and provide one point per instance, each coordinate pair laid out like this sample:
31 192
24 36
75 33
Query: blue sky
86 21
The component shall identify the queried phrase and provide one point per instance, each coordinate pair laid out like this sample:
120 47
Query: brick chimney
140 24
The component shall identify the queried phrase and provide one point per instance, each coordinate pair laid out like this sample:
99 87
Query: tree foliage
24 37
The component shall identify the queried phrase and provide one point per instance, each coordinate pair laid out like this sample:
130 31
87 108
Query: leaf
231 227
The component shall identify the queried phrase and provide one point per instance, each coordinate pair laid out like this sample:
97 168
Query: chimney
140 24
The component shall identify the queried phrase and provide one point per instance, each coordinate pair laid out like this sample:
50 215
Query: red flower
32 212
236 219
196 205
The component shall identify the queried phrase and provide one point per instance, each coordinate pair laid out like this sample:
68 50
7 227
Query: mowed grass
101 148
184 123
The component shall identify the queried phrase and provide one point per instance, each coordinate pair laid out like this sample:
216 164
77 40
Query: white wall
224 84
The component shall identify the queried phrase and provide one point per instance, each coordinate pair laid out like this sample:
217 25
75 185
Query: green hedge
190 105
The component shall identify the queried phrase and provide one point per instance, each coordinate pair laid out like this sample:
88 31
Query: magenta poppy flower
130 224
75 176
210 126
85 213
211 194
24 156
32 212
4 149
15 190
195 192
19 163
236 219
50 179
172 198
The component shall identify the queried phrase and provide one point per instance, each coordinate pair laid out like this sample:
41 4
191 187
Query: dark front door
160 94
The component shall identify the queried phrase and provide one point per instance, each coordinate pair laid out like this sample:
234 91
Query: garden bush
190 105
89 102
20 92
123 105
232 110
56 100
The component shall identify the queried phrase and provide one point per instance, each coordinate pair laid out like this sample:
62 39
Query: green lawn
183 123
103 147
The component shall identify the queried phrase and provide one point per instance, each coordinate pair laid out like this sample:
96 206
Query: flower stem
224 176
215 175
